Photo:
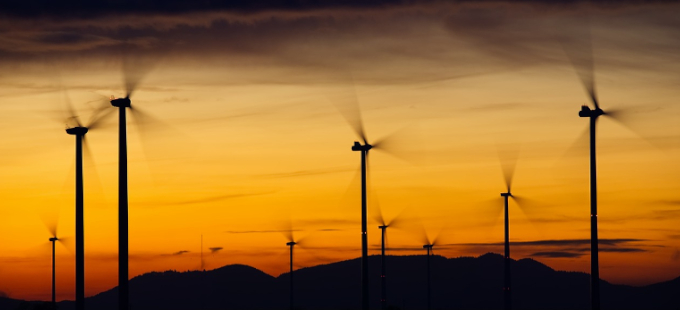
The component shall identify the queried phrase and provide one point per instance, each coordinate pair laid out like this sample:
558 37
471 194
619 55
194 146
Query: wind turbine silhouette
383 258
508 174
132 75
52 227
583 62
76 128
292 242
54 276
352 113
429 247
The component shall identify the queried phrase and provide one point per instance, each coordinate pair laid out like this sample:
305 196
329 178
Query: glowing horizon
249 140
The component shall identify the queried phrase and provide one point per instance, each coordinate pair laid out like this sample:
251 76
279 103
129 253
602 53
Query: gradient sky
247 133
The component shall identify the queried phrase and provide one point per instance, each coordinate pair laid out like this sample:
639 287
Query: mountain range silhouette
457 283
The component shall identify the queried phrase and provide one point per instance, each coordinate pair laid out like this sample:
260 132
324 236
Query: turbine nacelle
428 246
120 102
383 226
508 194
587 112
292 243
78 131
54 239
358 147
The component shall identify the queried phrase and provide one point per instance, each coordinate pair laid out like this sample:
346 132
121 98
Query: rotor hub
587 112
121 102
78 131
358 147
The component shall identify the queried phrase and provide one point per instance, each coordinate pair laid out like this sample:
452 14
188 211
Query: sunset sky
247 133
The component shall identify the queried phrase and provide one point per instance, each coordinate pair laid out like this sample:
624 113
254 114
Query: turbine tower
79 131
507 295
383 257
54 277
581 57
583 62
52 227
428 248
349 107
594 251
508 165
291 244
383 268
123 289
358 147
133 72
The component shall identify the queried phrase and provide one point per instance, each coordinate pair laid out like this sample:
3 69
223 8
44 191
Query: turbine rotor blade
530 208
71 111
373 203
68 243
579 147
507 155
135 67
101 110
51 226
399 220
579 50
347 103
157 139
403 144
93 175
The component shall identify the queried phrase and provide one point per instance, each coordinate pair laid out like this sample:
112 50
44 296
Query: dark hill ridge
457 283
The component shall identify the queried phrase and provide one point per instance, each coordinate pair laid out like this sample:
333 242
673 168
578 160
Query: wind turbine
132 75
52 225
383 267
582 60
508 173
291 244
352 113
383 258
76 128
54 276
428 247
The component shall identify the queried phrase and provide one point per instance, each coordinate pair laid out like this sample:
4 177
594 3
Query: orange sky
249 138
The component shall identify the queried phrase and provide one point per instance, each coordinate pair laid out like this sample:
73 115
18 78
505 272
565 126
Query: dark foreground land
457 283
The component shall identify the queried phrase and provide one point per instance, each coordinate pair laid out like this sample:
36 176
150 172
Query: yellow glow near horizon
244 149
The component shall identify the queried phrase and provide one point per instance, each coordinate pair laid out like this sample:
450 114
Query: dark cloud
214 250
287 36
147 257
93 9
41 8
557 254
564 242
568 248
621 250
